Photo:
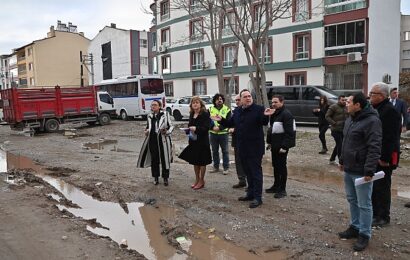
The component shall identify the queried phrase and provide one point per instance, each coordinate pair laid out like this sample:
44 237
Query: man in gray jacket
360 154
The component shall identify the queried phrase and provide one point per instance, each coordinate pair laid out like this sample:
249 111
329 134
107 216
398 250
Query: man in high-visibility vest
218 135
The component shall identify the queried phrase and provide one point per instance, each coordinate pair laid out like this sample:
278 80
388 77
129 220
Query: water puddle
110 145
135 223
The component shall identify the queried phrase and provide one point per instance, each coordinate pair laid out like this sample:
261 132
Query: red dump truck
44 109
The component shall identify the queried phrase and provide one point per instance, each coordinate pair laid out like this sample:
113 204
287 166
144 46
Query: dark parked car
301 100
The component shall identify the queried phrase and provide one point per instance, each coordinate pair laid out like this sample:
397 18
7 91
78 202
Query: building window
267 56
23 82
164 10
144 60
235 87
196 29
30 66
229 19
194 5
406 54
29 51
229 53
143 43
405 70
199 87
32 82
197 59
344 77
406 36
302 44
343 38
165 36
166 64
301 10
338 6
169 89
295 78
259 16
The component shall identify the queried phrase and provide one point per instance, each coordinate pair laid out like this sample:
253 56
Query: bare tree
207 24
250 26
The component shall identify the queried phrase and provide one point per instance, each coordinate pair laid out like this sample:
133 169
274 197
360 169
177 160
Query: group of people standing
367 137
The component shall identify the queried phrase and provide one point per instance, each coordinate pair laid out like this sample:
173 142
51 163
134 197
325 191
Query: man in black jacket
280 138
248 121
360 152
391 124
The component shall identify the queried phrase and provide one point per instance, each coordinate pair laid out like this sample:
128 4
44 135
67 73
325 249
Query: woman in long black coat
320 112
198 152
156 150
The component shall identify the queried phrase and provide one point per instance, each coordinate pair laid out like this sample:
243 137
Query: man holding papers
360 154
389 159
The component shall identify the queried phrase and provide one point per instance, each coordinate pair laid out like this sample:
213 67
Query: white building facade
405 44
8 71
342 44
118 52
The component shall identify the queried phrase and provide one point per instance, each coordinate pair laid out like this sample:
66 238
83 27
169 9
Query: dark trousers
322 133
239 168
381 196
280 170
253 169
155 160
338 136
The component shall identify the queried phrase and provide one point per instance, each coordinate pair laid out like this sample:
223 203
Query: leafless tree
252 20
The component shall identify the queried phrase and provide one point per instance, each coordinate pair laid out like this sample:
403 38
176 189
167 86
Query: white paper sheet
377 175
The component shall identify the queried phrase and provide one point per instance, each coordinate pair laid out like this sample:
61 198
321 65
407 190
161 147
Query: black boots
165 181
361 243
324 151
349 233
156 181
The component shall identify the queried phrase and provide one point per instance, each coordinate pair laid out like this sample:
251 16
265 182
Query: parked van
301 100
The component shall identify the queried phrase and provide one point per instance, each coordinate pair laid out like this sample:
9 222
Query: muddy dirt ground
303 225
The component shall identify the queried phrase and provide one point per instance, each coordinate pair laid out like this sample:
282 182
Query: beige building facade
54 60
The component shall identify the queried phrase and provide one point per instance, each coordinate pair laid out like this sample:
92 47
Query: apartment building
118 52
342 44
405 44
8 71
54 60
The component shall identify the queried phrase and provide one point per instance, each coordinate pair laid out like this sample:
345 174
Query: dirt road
101 162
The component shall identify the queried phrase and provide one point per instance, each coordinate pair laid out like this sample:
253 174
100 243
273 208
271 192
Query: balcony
336 6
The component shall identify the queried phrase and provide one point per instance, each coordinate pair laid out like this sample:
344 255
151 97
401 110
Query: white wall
384 40
120 52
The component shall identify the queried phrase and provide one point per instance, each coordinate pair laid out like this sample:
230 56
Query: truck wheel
104 119
51 125
124 115
177 115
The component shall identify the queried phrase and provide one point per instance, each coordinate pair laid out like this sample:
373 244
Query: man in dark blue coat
400 106
248 122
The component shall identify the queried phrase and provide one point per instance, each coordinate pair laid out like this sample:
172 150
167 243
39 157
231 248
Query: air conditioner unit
354 57
206 65
162 48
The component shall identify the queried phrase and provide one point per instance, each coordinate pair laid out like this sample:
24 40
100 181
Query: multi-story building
8 71
54 60
342 44
118 52
405 44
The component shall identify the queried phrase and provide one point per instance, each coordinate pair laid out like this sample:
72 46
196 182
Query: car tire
52 125
104 119
124 115
177 115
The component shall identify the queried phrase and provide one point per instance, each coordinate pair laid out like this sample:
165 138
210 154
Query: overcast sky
23 21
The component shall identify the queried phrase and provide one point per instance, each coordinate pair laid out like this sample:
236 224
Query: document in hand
377 175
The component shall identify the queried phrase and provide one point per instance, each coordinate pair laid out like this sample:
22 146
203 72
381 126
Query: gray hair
384 88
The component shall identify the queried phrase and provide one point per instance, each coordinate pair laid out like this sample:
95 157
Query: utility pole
88 61
81 70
